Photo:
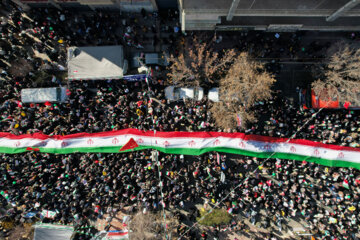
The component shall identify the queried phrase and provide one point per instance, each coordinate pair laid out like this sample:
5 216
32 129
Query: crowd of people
80 188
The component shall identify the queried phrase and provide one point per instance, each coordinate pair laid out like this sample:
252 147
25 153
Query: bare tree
197 64
341 75
20 68
150 226
246 83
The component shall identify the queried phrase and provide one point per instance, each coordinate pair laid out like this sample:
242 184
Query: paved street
62 159
291 72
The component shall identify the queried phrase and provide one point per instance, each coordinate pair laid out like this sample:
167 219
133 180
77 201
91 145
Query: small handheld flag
238 120
346 184
347 105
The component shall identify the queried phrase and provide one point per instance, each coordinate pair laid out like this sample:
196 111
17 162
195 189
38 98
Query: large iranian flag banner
190 143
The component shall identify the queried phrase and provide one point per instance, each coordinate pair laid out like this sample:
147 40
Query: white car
173 93
213 95
41 95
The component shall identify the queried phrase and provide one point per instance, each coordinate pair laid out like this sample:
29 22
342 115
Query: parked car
139 59
41 95
174 93
213 95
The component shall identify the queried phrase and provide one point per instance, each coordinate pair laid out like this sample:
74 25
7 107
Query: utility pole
154 156
182 15
155 159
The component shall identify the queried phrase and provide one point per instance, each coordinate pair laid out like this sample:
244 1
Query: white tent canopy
96 63
53 232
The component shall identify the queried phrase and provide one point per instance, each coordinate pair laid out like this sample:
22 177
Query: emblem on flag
293 149
90 141
316 152
216 142
267 147
115 141
140 140
192 143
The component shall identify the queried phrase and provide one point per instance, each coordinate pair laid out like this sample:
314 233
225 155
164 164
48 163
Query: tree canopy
246 83
341 75
198 64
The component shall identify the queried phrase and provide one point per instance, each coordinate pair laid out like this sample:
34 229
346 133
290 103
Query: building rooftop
313 21
267 4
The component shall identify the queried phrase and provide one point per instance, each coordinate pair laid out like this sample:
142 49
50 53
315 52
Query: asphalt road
290 71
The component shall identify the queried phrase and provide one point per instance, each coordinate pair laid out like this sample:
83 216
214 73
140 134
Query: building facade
270 15
123 5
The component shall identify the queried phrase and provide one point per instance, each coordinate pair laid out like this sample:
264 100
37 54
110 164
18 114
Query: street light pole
351 4
232 9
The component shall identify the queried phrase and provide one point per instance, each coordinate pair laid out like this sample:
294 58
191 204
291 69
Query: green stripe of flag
194 151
